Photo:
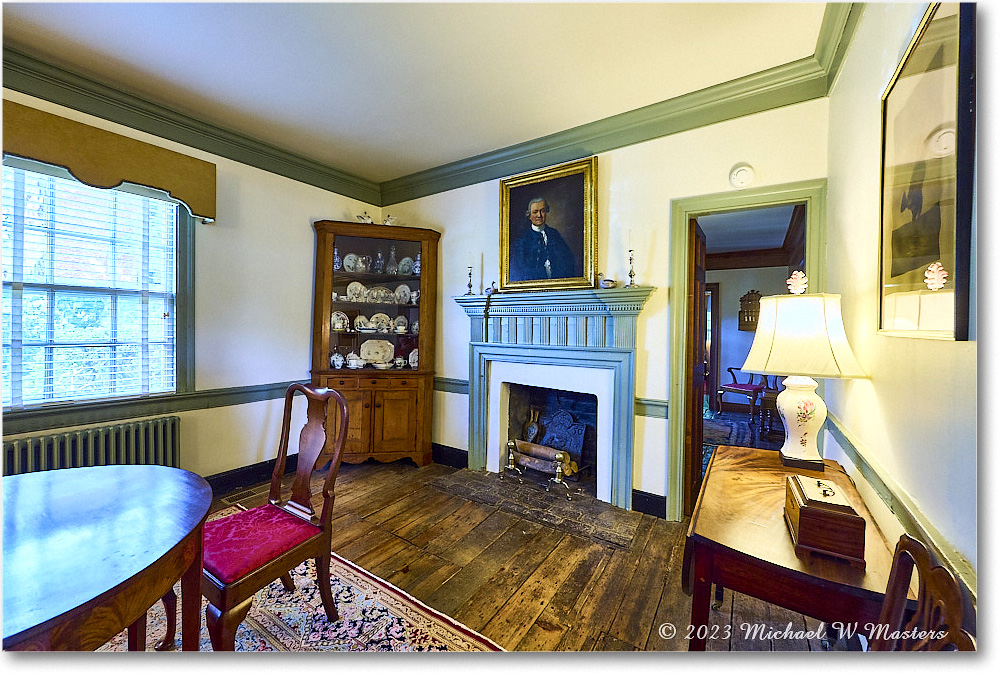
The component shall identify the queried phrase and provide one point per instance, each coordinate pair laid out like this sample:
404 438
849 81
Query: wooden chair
750 389
248 550
939 605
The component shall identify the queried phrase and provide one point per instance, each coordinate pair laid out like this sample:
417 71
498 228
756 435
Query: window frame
70 413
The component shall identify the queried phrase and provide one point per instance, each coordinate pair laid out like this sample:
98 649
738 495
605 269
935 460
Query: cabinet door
359 412
395 427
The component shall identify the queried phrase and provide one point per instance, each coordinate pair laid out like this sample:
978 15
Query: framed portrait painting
928 158
548 228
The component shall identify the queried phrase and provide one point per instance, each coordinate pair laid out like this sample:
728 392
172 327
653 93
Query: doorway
683 456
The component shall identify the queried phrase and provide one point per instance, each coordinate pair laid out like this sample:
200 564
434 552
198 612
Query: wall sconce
749 310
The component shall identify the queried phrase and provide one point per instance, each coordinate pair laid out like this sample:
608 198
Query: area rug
722 432
584 516
375 616
726 432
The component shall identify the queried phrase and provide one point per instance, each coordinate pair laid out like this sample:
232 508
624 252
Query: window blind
89 289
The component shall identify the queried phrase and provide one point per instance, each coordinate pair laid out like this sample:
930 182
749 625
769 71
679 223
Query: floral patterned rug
375 616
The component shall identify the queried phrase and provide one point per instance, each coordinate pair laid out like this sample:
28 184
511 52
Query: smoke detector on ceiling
741 175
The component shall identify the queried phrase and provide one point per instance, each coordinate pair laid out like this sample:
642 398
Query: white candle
630 238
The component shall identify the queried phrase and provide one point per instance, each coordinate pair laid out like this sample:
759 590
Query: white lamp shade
802 335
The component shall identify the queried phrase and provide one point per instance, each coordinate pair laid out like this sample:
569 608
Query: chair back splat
312 443
934 622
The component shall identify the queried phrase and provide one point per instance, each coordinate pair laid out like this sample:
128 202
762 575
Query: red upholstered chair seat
748 388
238 544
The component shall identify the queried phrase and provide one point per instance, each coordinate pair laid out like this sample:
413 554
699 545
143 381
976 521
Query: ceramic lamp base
803 412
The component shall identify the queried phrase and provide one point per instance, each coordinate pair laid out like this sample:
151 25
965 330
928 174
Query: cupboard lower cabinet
384 416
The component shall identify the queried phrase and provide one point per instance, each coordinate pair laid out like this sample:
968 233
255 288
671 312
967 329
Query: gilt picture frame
563 200
927 193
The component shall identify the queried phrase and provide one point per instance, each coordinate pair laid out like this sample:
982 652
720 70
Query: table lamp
802 337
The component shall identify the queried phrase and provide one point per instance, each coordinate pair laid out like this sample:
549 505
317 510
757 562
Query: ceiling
384 90
749 229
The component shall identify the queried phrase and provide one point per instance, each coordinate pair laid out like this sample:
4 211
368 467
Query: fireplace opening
563 420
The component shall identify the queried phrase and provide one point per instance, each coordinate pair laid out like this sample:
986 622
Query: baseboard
449 456
647 502
228 482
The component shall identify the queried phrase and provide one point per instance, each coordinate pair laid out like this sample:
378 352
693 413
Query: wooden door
395 421
695 365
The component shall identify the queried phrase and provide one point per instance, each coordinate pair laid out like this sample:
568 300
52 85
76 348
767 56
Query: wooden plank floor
524 585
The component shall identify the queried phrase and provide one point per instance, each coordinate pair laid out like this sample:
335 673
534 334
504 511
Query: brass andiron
560 458
511 465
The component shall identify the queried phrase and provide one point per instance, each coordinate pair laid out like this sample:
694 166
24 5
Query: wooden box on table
822 521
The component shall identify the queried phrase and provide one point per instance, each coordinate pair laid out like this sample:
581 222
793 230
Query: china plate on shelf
341 318
381 295
356 291
402 294
381 322
406 266
351 262
377 351
361 321
400 324
413 359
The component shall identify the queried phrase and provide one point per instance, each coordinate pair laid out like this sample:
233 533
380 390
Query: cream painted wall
635 187
915 418
253 297
733 284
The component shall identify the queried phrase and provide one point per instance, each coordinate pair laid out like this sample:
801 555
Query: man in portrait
541 252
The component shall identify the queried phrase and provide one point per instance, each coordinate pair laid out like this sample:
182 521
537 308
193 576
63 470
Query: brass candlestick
470 281
631 269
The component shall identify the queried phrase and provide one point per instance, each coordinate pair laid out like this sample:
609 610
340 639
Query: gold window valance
104 159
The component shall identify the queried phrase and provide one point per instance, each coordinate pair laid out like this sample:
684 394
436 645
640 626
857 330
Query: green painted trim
909 514
650 407
791 83
59 416
644 407
34 77
802 80
840 21
451 386
184 303
813 193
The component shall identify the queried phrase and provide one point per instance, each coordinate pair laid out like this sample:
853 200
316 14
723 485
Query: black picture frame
927 174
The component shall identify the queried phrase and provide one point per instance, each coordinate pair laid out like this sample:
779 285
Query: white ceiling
381 90
749 229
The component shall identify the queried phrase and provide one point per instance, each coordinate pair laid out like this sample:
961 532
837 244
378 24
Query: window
90 283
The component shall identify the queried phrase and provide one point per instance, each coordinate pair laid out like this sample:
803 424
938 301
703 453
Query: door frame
813 194
714 291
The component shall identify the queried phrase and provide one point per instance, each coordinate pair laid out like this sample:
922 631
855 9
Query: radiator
153 441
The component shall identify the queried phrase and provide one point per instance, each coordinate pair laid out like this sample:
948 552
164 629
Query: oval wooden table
87 551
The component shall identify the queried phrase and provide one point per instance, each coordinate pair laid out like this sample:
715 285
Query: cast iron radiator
152 441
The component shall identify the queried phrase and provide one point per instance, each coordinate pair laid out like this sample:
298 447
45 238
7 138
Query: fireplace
581 342
559 419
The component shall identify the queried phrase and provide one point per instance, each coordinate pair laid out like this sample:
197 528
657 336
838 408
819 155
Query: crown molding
37 78
796 82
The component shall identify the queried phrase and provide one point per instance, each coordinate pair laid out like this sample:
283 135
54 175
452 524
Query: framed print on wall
548 229
928 157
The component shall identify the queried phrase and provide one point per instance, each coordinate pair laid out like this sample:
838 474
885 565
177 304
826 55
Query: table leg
191 599
137 635
701 597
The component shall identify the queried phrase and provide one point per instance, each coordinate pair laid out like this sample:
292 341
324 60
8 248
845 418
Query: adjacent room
489 327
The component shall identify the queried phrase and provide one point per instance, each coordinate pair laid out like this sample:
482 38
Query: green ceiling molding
796 82
31 76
